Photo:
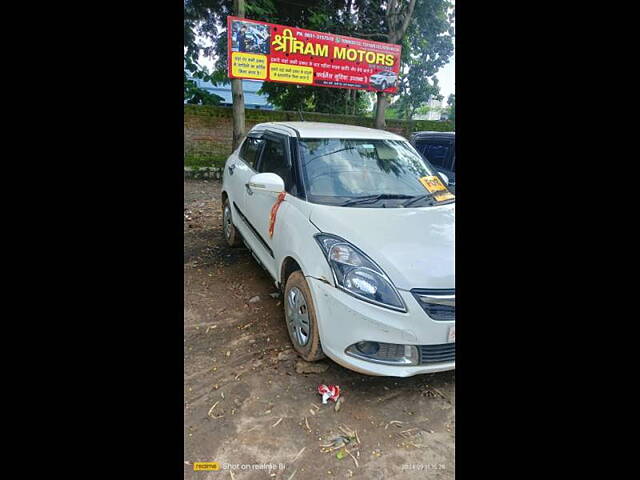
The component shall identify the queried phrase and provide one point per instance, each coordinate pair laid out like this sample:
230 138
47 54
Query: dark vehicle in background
439 148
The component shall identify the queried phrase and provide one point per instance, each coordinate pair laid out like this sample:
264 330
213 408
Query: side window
274 160
453 157
250 149
437 154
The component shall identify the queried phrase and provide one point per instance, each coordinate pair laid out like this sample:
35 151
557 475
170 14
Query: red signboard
276 53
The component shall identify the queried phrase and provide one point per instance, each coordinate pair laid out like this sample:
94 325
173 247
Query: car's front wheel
300 315
384 85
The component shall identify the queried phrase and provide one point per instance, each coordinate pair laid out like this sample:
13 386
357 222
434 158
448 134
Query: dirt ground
244 403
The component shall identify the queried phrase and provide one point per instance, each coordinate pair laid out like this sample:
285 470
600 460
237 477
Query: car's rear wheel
231 234
300 316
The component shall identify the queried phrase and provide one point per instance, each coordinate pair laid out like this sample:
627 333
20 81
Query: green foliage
196 95
260 9
197 160
451 102
394 112
425 109
316 99
200 19
427 46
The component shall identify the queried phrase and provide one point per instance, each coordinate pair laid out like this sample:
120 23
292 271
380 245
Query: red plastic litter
331 392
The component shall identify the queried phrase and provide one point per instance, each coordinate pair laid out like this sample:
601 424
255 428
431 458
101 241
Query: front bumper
344 320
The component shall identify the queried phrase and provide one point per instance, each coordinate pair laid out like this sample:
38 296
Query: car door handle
231 168
248 187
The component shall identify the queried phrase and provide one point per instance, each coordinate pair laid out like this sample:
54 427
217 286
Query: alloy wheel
226 221
298 316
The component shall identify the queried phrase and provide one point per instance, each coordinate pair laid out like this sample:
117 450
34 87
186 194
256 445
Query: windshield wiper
374 198
417 198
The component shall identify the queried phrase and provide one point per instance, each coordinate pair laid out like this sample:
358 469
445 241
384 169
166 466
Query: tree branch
396 28
407 19
365 35
390 8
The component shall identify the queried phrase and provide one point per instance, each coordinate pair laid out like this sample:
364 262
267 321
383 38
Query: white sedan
357 230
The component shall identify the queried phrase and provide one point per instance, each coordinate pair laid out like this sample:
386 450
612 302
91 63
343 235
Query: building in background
434 111
252 99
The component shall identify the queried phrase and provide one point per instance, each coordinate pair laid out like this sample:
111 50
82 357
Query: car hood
414 246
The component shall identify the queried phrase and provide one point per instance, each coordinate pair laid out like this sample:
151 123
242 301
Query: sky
447 74
447 79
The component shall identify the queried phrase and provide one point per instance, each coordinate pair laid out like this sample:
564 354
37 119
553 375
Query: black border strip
255 232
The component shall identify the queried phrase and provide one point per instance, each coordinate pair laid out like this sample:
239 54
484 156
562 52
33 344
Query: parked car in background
439 148
383 80
357 231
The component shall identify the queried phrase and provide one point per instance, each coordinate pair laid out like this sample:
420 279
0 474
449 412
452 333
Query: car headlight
357 274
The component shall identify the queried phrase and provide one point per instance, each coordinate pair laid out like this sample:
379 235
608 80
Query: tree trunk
237 95
238 112
381 106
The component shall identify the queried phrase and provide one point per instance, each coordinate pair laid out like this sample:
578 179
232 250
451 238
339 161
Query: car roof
326 130
434 134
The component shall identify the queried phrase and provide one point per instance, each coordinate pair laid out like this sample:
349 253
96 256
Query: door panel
275 158
239 169
241 175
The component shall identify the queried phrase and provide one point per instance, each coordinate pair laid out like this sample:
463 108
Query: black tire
295 311
231 234
384 85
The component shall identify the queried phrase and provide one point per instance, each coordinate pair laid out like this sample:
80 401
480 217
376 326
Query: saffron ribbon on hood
274 213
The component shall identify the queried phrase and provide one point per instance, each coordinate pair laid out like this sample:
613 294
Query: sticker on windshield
434 185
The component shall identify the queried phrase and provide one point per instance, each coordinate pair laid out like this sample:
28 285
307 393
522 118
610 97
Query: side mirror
445 178
266 182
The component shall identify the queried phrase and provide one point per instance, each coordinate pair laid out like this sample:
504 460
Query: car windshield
366 173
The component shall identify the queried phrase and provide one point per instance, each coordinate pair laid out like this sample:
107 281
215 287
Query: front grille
390 351
440 353
443 313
